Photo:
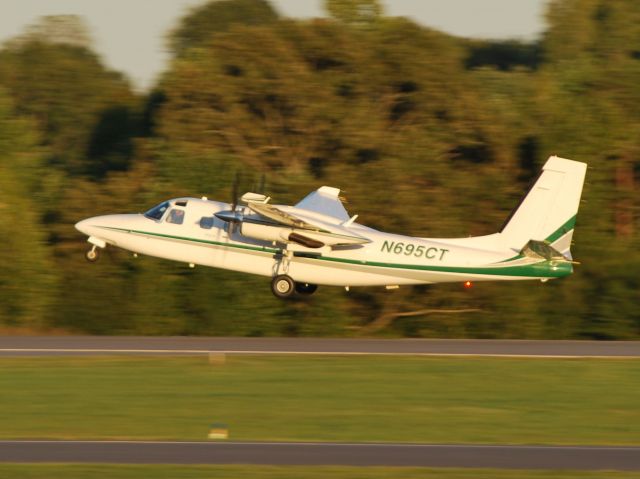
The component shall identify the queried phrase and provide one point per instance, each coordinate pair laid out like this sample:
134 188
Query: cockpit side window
158 211
176 216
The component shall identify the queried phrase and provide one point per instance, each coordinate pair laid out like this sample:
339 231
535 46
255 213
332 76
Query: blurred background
427 133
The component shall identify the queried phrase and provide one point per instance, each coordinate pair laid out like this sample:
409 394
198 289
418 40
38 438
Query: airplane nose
80 225
83 226
98 226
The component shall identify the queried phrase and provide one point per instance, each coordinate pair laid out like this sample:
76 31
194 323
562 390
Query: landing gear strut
92 255
282 286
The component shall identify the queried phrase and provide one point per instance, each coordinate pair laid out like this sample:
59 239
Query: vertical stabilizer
548 211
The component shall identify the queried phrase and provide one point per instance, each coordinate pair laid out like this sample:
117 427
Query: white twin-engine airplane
316 242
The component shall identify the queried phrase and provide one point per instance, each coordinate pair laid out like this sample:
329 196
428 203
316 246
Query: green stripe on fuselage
542 269
262 249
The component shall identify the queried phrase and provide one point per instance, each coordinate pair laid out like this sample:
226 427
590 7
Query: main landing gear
306 288
283 286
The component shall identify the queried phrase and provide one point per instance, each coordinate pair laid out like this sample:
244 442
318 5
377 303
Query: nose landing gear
92 255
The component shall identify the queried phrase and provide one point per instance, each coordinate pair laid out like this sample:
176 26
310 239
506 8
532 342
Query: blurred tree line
427 134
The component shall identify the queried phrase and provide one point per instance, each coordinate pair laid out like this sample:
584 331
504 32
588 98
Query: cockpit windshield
156 212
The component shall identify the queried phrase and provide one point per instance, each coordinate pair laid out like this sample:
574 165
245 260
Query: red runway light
468 284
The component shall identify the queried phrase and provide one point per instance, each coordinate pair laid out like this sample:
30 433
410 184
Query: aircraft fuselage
389 259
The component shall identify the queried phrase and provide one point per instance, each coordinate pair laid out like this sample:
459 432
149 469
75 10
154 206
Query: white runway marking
307 353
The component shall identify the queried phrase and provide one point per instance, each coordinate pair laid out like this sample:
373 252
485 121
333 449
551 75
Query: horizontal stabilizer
542 250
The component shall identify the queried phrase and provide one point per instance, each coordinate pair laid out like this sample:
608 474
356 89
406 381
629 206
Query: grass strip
319 398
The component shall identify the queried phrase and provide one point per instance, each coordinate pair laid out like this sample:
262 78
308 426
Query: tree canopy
446 132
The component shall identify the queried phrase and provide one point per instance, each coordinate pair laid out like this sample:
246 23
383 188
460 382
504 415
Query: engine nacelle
278 234
265 232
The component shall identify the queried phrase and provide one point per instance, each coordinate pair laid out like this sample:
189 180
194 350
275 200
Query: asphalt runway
73 345
426 455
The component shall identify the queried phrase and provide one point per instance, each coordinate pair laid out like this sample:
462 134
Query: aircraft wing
309 229
325 200
281 217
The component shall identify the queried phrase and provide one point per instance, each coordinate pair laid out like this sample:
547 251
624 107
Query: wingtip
329 190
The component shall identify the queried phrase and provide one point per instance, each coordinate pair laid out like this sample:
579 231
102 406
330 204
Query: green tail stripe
564 229
557 234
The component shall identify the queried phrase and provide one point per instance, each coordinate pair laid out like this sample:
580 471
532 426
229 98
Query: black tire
282 286
92 255
306 288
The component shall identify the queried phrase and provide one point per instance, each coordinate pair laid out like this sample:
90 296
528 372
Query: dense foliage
427 134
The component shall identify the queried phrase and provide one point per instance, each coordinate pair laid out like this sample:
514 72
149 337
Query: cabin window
206 222
158 211
176 216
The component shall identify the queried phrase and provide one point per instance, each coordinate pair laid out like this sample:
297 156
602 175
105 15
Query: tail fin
548 210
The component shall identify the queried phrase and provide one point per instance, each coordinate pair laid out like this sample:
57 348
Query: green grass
47 471
413 399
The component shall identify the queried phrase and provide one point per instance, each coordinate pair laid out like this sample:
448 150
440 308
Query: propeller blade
234 191
234 203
